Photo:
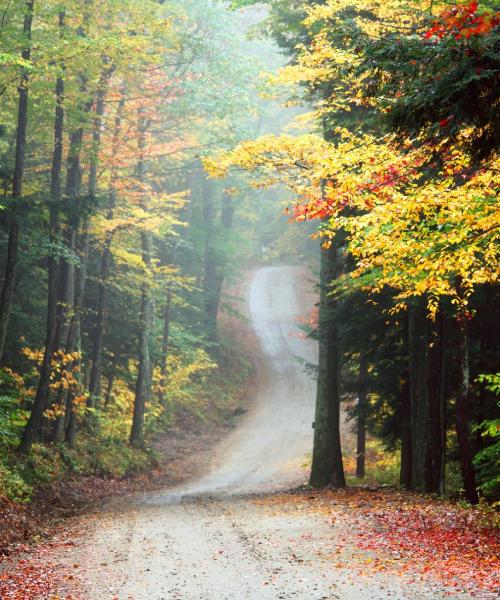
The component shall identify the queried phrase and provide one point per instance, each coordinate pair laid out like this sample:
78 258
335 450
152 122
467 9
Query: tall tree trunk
209 262
67 344
144 376
66 299
75 337
43 390
434 469
97 125
165 342
143 384
81 276
98 336
64 332
426 362
462 418
361 417
106 257
7 295
405 472
214 269
66 423
419 340
111 381
327 466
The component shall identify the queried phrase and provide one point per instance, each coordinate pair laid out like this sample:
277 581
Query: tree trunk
214 269
97 127
82 271
67 300
143 384
95 373
65 330
209 263
327 466
426 360
98 338
165 342
102 303
361 418
75 337
7 295
111 381
144 377
419 340
43 390
462 420
437 360
405 472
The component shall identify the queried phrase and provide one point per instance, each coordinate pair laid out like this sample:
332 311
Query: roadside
447 548
30 532
223 536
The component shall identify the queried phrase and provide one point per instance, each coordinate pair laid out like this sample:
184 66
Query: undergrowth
212 396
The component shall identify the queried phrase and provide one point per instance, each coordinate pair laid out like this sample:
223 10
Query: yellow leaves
64 377
35 356
315 63
412 224
374 17
418 237
433 234
9 379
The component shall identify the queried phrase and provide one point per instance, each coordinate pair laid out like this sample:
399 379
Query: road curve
270 445
209 540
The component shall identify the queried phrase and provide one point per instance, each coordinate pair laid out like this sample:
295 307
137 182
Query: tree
417 212
18 177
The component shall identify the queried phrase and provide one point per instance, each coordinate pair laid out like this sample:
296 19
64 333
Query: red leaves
446 541
32 580
445 122
462 22
408 536
40 575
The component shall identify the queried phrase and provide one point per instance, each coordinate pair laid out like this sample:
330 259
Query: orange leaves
64 377
31 581
405 535
463 22
446 541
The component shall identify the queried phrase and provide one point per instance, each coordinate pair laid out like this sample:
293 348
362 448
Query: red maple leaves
463 22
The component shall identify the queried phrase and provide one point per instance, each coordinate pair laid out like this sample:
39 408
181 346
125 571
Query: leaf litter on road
406 535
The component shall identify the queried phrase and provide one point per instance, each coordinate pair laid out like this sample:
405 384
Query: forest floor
226 528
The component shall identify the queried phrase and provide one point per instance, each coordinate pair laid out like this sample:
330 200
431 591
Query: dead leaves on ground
405 534
38 576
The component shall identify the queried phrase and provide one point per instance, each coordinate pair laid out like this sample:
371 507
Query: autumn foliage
403 535
463 21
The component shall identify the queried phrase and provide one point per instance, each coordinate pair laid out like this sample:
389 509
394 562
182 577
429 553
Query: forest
162 159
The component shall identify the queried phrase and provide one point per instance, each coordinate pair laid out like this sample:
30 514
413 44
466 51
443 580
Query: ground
234 532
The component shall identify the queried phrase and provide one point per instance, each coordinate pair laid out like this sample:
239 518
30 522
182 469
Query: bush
13 486
487 460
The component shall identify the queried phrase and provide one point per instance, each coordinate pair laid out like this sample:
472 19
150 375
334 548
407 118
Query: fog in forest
248 300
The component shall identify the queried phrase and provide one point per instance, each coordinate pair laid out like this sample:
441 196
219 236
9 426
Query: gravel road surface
210 539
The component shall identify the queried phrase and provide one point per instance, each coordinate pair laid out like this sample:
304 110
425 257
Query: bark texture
327 466
361 418
7 295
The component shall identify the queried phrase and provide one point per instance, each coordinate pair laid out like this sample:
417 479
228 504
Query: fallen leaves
34 579
405 535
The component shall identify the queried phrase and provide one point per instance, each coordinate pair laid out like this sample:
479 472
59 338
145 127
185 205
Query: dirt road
210 539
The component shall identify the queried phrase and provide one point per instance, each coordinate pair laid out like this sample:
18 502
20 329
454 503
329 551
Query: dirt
213 538
181 453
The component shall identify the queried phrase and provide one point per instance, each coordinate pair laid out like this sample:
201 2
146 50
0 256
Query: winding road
211 539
